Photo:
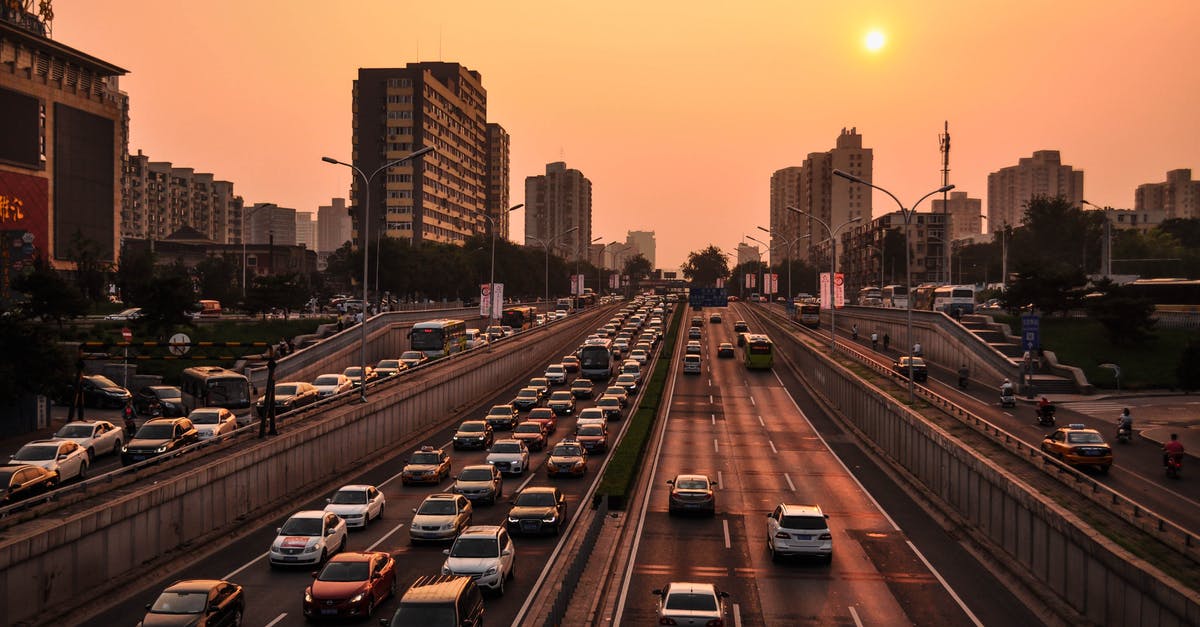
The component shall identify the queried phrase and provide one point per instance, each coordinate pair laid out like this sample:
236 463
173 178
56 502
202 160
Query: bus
596 360
438 338
212 386
1178 295
207 310
519 318
759 352
870 297
895 296
922 296
810 315
952 298
565 305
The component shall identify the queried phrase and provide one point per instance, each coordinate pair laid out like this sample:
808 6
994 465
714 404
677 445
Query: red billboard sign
24 225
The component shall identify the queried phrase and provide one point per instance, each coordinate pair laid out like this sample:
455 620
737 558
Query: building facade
498 176
1177 197
306 230
333 225
785 224
555 202
159 199
268 223
642 242
748 253
1010 189
866 260
965 214
822 196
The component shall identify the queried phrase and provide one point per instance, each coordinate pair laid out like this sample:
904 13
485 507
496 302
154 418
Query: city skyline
641 117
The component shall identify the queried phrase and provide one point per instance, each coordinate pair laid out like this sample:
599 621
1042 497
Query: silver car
482 482
440 517
211 422
687 603
66 459
97 437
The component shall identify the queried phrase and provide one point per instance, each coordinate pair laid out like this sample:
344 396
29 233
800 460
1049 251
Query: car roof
481 530
193 585
309 513
802 510
355 486
478 467
536 489
355 556
693 477
691 587
441 496
44 443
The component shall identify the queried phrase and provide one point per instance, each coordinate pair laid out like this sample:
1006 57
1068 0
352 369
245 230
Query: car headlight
550 519
445 569
490 571
161 449
356 598
308 596
513 520
124 448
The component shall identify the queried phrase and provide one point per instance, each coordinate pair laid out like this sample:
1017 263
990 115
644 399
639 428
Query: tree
1125 316
167 300
1047 290
703 268
135 274
636 268
1187 373
217 278
1058 237
91 268
34 361
50 296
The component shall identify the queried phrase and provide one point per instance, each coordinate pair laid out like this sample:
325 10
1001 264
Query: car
100 391
440 517
541 383
692 493
556 374
692 348
920 372
351 585
412 359
538 509
427 465
640 354
357 504
527 398
696 322
544 415
799 530
570 363
133 313
628 381
330 384
631 366
159 436
289 395
725 351
484 553
455 601
562 402
688 603
159 400
611 406
618 391
200 602
97 437
539 319
568 457
581 388
19 481
508 330
593 437
741 338
308 537
509 456
502 417
480 482
1077 445
211 422
590 415
475 339
355 374
740 326
532 433
494 332
691 364
714 318
473 434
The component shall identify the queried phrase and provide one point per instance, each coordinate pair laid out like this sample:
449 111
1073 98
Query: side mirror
278 530
414 510
724 595
329 531
329 500
670 482
445 551
315 573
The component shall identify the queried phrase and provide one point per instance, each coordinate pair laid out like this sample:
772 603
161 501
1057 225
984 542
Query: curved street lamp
832 269
546 244
492 274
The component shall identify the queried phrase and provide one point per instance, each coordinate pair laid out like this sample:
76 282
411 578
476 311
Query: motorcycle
1008 398
1045 415
1174 465
1124 433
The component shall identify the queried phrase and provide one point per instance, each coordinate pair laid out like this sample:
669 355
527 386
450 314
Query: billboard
85 175
24 225
22 130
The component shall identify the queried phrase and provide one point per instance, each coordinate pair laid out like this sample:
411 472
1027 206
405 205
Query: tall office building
497 178
785 224
267 223
442 196
832 199
306 230
1010 189
1178 197
642 242
965 217
747 253
555 202
333 225
160 198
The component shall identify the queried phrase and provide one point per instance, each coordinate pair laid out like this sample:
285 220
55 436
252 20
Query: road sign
708 297
1030 332
180 344
126 334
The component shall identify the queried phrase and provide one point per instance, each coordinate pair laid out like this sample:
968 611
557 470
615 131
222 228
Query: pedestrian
854 332
887 339
874 339
341 323
916 349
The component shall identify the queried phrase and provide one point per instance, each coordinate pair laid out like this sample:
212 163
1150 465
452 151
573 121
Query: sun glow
875 40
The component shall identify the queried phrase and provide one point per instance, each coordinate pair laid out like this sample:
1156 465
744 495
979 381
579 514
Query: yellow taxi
1077 445
428 465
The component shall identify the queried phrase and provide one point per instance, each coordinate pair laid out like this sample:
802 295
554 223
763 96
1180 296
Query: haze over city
677 112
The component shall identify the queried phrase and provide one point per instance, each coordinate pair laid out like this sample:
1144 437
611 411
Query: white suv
484 553
799 530
509 456
556 373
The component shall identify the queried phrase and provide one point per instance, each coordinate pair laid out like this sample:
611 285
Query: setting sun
875 40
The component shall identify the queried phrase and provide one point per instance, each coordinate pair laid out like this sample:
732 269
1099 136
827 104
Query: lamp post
366 248
246 214
578 253
833 232
907 214
790 260
546 244
492 274
770 257
1107 265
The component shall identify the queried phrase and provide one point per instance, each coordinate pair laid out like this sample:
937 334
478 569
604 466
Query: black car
159 437
100 391
197 602
741 327
502 417
159 400
539 509
473 434
920 372
18 481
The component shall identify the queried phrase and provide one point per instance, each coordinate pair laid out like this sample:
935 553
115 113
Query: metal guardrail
1169 533
570 580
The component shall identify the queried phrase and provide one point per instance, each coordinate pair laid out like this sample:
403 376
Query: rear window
691 601
695 358
804 522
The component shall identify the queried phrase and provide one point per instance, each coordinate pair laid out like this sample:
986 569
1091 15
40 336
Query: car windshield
541 412
500 411
475 474
691 601
425 458
353 372
556 368
156 432
329 379
349 497
616 389
167 393
103 381
437 507
526 393
535 499
592 413
205 417
528 427
803 522
581 383
388 363
561 396
286 390
591 430
301 527
36 453
566 451
345 571
506 447
608 402
691 484
627 378
411 355
75 431
422 614
180 603
1084 438
471 427
539 382
475 547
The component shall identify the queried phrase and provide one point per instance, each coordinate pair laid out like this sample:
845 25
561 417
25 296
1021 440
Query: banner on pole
839 290
770 283
750 281
721 283
485 300
826 296
497 299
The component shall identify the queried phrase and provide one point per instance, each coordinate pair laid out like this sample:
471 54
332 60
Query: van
439 601
208 310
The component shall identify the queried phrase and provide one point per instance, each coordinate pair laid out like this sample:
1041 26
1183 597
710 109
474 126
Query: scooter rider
1125 422
964 373
130 425
1045 409
1173 448
1006 388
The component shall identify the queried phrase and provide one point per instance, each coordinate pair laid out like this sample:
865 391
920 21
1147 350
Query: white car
686 603
66 459
329 384
132 313
509 456
308 537
484 553
97 437
556 373
639 355
591 415
358 505
800 530
211 422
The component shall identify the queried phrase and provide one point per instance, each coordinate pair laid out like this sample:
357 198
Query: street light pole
246 214
577 255
366 248
832 269
546 245
907 215
790 261
1107 265
492 274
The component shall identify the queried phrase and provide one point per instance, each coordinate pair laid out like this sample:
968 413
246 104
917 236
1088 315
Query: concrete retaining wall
1095 577
48 566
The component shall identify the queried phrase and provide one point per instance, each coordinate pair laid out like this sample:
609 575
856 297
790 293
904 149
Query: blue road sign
708 297
1030 332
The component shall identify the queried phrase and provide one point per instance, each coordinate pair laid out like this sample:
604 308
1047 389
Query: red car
546 416
351 585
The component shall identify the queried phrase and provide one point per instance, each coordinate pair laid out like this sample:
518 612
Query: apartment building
965 214
865 259
268 223
643 243
160 198
555 203
1177 197
1010 189
333 225
498 176
306 230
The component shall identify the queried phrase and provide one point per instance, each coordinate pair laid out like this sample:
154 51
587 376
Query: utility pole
944 143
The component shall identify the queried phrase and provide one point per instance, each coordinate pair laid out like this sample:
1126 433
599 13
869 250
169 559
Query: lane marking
716 447
737 615
710 399
714 418
725 525
760 421
385 536
244 566
773 449
791 485
1008 414
710 382
752 402
720 480
277 619
524 483
945 585
854 615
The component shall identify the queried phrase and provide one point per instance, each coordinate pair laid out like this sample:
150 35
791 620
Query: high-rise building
333 225
1010 189
747 253
497 178
965 217
267 223
442 196
1178 197
831 199
642 242
160 198
556 202
785 224
306 230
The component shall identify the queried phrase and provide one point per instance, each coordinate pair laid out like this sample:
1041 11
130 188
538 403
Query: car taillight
716 622
666 621
782 535
826 536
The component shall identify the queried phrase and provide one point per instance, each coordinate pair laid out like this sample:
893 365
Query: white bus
438 338
951 298
895 296
596 360
212 386
869 296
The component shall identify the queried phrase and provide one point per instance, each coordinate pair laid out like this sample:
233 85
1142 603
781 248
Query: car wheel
324 556
771 550
392 588
91 452
371 606
237 617
829 558
83 469
512 570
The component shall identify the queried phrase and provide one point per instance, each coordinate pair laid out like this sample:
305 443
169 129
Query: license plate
804 537
289 558
137 458
529 525
328 611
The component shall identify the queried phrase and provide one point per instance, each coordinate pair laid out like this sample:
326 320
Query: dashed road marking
277 619
854 615
716 447
725 526
773 449
791 485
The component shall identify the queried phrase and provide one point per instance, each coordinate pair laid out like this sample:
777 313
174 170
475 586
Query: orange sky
678 112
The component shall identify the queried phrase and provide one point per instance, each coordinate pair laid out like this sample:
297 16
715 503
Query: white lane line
791 485
277 619
244 566
752 402
714 418
725 526
385 537
760 421
773 449
716 448
1008 414
710 382
854 615
710 399
737 615
526 482
945 585
720 479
